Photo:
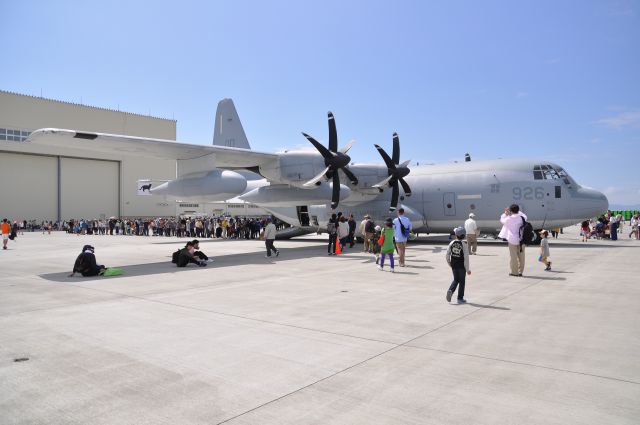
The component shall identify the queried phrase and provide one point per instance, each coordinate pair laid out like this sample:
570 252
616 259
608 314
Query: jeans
459 278
331 248
269 244
390 260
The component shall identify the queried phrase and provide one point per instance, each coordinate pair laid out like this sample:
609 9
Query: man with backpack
402 229
514 222
367 228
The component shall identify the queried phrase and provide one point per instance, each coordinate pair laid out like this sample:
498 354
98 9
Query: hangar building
42 184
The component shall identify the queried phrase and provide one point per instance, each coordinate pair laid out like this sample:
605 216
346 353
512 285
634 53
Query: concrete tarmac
307 338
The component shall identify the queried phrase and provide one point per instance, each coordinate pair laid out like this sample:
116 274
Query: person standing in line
544 250
367 229
352 231
402 229
343 232
269 237
512 222
6 230
471 228
332 229
388 245
458 259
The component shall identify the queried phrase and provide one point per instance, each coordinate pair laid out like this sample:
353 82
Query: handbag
381 240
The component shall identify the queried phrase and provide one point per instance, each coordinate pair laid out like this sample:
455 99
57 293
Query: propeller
334 160
396 172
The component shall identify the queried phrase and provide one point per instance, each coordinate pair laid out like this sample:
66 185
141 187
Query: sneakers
277 253
267 256
393 270
511 274
548 269
462 301
380 268
202 264
449 294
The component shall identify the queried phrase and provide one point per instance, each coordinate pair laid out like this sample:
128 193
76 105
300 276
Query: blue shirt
397 230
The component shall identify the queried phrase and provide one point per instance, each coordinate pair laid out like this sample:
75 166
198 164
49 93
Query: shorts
543 259
5 236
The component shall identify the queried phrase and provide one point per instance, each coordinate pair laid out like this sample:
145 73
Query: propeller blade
333 134
335 194
396 148
317 178
405 187
350 175
383 182
348 146
390 164
323 151
394 197
404 164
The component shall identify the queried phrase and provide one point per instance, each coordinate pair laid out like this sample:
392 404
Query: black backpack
527 235
174 256
369 227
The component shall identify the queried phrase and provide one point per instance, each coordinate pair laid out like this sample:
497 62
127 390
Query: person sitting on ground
187 255
86 263
201 255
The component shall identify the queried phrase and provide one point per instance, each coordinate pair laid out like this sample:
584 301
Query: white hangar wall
48 184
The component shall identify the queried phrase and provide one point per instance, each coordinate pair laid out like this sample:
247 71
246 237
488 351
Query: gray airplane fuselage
444 195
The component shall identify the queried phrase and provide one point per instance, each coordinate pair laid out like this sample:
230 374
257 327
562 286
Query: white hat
472 215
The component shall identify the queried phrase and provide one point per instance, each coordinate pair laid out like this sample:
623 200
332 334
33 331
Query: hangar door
88 188
28 187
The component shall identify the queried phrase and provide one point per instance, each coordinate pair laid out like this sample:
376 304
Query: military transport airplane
296 186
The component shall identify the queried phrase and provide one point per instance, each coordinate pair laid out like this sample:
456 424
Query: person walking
402 229
269 237
512 222
6 230
388 245
458 259
544 250
471 228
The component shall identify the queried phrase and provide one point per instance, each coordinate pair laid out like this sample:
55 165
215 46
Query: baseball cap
459 231
472 215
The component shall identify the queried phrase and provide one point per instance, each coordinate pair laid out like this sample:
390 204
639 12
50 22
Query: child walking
544 250
388 245
458 259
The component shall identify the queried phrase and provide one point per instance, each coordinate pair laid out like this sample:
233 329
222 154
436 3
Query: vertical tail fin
228 129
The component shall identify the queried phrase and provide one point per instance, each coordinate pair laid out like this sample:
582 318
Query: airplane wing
148 148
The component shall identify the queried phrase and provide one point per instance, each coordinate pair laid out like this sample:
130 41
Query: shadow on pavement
230 260
492 307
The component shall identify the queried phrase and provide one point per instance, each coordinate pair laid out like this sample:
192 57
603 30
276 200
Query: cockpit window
548 172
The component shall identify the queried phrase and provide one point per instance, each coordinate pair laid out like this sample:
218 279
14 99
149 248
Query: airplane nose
588 203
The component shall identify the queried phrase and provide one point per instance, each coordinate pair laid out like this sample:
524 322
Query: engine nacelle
215 185
282 195
294 168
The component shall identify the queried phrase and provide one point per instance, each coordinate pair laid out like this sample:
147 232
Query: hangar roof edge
87 106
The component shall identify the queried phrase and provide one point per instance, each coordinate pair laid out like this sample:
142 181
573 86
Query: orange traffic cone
338 248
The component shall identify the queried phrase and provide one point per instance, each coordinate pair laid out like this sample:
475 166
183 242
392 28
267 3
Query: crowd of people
189 227
610 226
383 241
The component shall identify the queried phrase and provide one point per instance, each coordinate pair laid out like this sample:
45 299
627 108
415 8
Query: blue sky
555 80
